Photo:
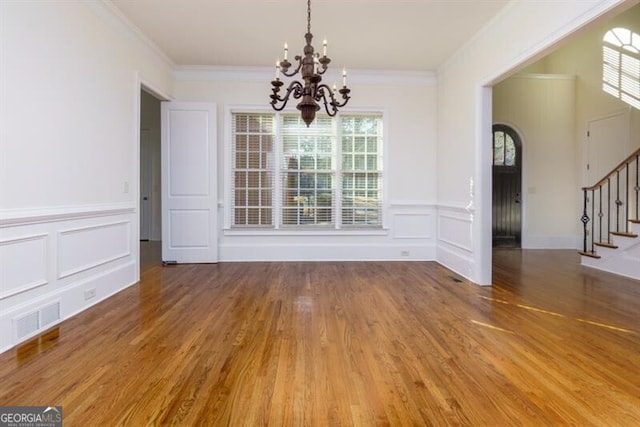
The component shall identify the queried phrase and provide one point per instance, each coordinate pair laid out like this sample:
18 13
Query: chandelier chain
308 16
310 90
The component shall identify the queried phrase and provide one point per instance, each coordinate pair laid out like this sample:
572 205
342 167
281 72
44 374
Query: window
621 65
505 151
285 175
253 161
361 164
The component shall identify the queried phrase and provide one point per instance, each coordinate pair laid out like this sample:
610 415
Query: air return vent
27 325
38 320
49 314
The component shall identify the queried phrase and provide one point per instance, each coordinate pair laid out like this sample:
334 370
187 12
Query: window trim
621 50
226 205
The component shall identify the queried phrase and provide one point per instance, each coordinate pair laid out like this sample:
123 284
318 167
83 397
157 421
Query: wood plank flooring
345 344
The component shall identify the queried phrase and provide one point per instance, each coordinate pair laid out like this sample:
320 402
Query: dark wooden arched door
507 187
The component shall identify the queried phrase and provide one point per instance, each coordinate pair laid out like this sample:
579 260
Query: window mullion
277 170
337 171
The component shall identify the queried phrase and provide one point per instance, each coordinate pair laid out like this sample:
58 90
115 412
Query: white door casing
189 187
608 144
145 184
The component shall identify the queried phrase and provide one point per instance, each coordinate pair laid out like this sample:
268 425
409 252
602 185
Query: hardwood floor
331 344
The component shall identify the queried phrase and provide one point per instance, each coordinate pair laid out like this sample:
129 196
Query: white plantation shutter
621 65
307 171
361 170
253 163
327 175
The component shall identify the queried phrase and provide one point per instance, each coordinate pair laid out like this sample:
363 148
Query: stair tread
624 234
606 245
589 254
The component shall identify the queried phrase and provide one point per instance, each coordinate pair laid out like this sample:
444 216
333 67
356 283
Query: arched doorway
507 187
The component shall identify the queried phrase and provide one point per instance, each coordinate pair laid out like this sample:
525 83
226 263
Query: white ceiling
362 34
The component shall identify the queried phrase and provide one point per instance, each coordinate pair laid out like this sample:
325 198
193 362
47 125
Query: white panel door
189 187
608 145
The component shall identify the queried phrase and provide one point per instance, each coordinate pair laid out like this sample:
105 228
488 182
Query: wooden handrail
618 168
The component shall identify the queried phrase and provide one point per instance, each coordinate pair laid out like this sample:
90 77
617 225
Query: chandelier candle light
311 67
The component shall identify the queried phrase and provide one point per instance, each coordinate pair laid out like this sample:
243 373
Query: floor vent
27 325
35 321
49 314
455 279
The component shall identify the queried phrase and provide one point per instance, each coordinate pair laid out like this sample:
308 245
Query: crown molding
114 17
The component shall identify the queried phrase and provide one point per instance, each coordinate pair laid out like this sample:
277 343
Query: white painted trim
47 273
449 242
113 16
75 230
228 173
18 217
324 251
543 47
300 232
460 263
427 216
141 83
412 204
542 76
107 283
456 207
152 89
482 233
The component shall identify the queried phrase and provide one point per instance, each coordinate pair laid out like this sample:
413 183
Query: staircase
611 221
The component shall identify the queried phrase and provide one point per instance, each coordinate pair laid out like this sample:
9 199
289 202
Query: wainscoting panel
407 236
455 231
24 264
84 248
455 239
412 225
59 262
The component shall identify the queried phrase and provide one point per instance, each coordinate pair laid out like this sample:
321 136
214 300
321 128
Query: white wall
541 108
69 100
408 101
509 42
583 57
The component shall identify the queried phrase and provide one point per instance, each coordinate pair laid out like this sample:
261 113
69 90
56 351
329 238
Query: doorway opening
507 188
150 181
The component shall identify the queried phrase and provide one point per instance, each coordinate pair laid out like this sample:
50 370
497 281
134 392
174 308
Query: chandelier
311 67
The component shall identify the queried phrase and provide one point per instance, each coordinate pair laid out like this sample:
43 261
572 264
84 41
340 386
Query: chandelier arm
284 66
344 91
324 64
321 95
295 88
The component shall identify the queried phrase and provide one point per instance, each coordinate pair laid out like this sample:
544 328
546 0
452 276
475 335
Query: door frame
626 145
146 181
140 84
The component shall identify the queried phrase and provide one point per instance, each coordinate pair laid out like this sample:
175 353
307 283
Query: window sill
377 231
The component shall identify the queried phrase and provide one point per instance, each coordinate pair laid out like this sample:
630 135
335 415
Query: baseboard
326 252
550 242
456 260
71 300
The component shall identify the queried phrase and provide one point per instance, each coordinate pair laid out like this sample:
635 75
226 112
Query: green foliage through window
329 174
